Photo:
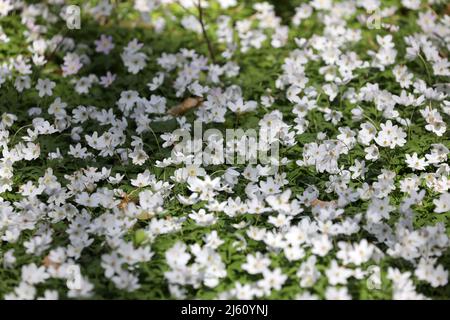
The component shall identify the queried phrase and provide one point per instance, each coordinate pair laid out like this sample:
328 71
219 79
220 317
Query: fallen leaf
185 106
322 204
47 262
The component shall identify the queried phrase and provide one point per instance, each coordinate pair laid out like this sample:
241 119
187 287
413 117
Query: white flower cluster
99 197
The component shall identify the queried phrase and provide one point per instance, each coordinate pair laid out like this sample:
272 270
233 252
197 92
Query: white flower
202 218
337 275
256 263
443 203
31 274
321 245
390 136
334 293
416 163
104 44
45 87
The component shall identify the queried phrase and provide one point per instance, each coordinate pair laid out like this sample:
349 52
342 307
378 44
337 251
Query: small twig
205 35
200 20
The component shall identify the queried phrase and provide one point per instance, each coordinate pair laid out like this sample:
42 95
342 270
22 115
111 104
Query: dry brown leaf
47 262
185 106
322 204
125 200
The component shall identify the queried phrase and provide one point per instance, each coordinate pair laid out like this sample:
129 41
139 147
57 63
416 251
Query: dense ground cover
94 203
